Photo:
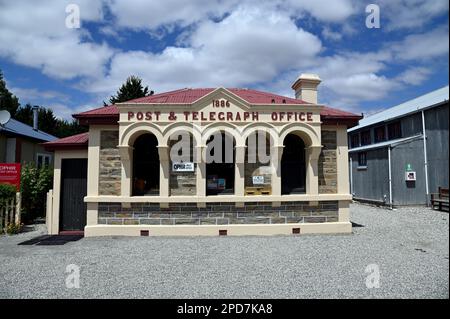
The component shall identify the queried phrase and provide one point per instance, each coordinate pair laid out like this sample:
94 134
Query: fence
10 212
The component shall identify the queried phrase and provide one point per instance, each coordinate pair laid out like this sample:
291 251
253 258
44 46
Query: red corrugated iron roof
110 114
78 140
188 96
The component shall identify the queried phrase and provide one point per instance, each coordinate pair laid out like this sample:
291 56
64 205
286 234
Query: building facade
21 143
136 183
400 156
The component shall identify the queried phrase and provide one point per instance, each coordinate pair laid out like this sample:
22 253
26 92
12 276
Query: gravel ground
410 247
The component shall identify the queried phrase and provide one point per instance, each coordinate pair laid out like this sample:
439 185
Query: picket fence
10 212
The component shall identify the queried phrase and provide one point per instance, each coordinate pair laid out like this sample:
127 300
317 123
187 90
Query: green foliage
65 128
35 183
48 122
131 89
8 101
14 228
6 193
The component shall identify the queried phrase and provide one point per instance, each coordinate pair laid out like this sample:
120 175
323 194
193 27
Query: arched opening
257 164
293 166
220 164
146 166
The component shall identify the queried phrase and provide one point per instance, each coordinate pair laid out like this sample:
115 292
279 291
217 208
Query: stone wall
183 183
327 163
110 165
217 213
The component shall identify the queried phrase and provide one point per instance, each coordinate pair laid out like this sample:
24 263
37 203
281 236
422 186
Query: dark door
293 168
73 190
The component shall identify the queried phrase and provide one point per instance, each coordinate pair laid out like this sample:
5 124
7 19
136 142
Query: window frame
44 156
369 132
375 134
398 129
354 137
362 164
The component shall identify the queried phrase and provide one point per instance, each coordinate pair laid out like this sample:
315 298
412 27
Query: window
366 138
362 159
394 130
380 134
43 160
354 141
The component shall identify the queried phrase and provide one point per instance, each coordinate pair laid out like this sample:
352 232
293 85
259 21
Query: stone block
149 221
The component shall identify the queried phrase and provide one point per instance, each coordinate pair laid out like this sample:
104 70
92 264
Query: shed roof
415 105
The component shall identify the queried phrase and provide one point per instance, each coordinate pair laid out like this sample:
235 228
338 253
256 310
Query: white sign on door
183 167
258 180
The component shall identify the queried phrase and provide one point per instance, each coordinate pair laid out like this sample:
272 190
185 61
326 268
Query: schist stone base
217 213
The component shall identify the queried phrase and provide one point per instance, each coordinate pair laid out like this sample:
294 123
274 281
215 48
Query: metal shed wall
373 181
408 193
436 124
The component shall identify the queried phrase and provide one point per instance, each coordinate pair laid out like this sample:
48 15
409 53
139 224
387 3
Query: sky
257 44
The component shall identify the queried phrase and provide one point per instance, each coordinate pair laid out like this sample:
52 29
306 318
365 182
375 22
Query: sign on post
10 174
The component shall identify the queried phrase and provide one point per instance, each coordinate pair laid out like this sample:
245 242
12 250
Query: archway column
277 153
200 159
239 171
164 170
126 157
312 171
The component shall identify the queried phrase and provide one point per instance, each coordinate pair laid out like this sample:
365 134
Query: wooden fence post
18 207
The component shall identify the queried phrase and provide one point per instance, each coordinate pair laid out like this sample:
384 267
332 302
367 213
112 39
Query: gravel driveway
409 247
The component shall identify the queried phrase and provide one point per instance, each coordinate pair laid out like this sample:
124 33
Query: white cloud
410 14
36 36
32 95
329 34
63 111
144 14
414 75
248 46
323 10
151 15
423 46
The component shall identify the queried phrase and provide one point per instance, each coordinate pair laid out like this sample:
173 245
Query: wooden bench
440 200
255 190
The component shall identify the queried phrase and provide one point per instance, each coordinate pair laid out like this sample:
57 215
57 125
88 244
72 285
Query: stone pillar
344 211
276 152
312 171
164 170
92 214
126 157
201 170
94 161
239 171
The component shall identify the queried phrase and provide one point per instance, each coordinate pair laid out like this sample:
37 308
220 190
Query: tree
48 123
8 101
131 89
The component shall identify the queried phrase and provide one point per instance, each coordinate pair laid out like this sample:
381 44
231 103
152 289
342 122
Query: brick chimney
305 87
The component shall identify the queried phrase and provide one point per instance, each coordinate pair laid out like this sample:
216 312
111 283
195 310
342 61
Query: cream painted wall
53 226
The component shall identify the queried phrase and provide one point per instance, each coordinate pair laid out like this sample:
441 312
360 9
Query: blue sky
257 44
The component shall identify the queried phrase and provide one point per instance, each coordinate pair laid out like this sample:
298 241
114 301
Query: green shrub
7 192
35 183
14 228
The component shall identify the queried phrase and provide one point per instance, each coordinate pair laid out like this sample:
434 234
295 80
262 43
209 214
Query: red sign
10 174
